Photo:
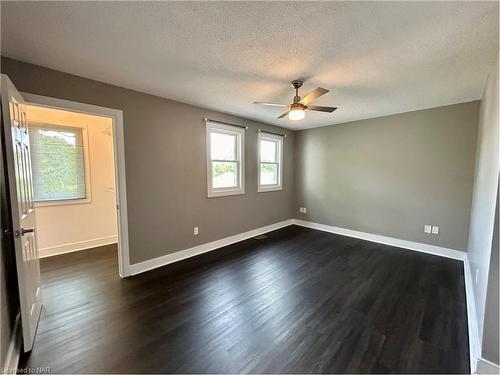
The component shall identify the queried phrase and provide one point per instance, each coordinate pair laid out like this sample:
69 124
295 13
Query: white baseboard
76 246
200 249
474 342
410 245
14 352
487 367
204 248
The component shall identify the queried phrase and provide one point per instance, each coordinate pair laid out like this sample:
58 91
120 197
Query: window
225 160
60 169
270 162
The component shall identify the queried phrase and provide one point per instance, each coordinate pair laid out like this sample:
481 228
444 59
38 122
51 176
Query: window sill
62 202
263 189
222 193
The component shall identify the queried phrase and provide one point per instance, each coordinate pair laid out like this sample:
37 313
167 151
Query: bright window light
225 167
270 162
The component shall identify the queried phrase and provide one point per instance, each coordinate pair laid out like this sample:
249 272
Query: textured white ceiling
377 58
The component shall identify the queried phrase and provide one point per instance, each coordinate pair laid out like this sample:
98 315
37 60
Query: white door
20 189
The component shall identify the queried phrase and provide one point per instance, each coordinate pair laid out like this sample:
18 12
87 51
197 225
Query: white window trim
279 185
240 133
86 161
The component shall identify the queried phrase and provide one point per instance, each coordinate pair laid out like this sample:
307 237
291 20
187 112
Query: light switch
427 228
435 230
195 231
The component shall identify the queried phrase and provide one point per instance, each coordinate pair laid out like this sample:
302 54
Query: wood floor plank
298 301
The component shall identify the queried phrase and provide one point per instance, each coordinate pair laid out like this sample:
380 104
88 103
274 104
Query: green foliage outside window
220 169
267 168
58 162
57 165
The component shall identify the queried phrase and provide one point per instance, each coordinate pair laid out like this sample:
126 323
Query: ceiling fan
297 110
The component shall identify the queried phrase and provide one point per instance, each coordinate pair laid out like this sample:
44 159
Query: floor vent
260 237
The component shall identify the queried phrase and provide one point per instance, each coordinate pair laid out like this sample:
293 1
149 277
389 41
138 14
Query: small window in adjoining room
59 163
225 160
270 162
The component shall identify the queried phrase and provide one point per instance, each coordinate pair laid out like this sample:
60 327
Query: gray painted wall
391 175
485 193
165 158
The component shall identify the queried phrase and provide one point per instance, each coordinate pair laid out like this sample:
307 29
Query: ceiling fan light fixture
297 110
296 113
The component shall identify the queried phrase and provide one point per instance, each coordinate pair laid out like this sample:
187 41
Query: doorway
92 211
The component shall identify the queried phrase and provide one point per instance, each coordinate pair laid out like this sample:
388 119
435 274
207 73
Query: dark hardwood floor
297 301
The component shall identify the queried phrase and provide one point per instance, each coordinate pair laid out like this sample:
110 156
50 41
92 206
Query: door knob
27 230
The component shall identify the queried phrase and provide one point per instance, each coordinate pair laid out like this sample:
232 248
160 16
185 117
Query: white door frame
119 156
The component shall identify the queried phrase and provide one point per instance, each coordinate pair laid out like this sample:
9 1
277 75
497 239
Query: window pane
224 174
58 162
268 174
268 151
223 146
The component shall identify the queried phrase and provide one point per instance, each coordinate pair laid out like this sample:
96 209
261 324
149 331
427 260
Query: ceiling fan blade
316 93
284 114
321 108
271 104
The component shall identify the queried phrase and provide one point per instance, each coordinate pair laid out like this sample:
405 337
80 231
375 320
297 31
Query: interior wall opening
73 166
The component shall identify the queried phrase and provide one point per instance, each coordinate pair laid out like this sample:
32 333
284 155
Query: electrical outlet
435 230
195 231
303 210
427 228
